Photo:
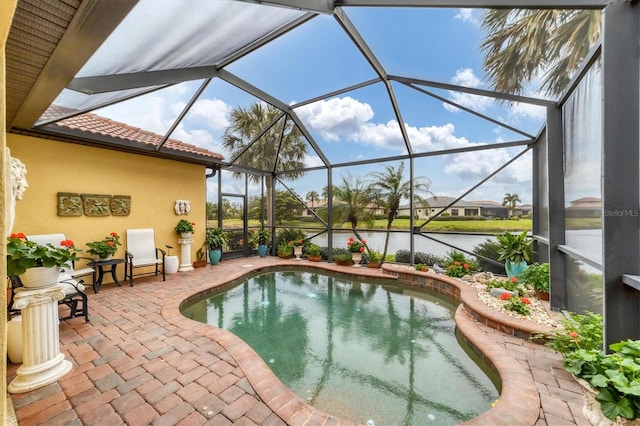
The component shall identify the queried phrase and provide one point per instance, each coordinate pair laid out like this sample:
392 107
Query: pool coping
519 401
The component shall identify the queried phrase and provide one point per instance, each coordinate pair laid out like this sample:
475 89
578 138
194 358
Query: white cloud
479 164
467 15
313 161
521 110
466 78
211 113
336 118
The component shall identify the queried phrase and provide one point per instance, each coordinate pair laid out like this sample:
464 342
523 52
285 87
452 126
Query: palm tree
280 148
511 200
390 189
352 199
520 43
312 197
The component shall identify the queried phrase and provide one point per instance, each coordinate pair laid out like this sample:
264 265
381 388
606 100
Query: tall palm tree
391 189
352 198
521 43
312 197
511 200
280 148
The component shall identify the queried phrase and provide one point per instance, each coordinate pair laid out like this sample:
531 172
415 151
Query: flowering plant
23 254
105 247
516 304
184 226
356 246
458 265
296 243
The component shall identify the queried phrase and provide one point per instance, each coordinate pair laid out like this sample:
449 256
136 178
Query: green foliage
537 276
488 249
184 226
577 331
518 304
342 257
287 207
422 267
289 234
216 239
261 237
404 256
458 265
515 247
23 254
200 253
510 284
615 376
106 246
314 250
285 249
374 256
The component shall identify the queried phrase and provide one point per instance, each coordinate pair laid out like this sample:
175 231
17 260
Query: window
454 212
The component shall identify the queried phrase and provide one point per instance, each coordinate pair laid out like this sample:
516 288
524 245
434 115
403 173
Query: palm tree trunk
268 182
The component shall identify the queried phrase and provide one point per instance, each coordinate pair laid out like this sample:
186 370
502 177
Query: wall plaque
96 204
69 204
121 205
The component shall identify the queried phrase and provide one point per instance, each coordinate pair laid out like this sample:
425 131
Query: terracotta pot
373 265
200 263
343 262
542 295
314 258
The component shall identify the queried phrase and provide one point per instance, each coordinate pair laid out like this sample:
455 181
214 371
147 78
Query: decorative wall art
121 205
96 204
69 204
182 207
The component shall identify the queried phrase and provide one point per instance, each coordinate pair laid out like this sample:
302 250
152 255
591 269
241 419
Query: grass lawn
488 226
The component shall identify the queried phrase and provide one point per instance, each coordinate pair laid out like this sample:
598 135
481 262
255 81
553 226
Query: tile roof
97 125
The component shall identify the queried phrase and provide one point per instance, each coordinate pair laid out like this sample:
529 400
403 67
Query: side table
99 270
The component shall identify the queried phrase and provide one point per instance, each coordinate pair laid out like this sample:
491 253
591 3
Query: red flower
525 300
67 243
110 243
18 235
363 241
457 263
505 296
450 267
361 249
193 224
513 279
113 234
573 334
465 266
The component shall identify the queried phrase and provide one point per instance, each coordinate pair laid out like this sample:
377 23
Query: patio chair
142 252
55 239
74 297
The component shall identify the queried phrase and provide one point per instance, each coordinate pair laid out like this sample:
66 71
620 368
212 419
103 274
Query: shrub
404 256
458 265
576 332
489 249
422 267
537 276
286 235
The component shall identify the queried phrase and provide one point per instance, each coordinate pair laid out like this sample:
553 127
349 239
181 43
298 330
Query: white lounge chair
142 252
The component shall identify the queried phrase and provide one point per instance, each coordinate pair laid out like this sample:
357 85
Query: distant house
585 207
318 205
434 205
492 209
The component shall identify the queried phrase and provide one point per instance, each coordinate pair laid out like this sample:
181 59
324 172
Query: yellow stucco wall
153 184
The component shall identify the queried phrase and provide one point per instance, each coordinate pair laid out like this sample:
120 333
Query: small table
99 265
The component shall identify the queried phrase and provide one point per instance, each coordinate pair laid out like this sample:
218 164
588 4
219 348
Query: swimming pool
358 350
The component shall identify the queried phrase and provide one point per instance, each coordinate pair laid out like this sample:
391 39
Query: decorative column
185 254
42 362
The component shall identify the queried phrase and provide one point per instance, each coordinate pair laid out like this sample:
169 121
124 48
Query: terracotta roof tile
103 126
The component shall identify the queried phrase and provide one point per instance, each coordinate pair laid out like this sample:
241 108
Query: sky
317 58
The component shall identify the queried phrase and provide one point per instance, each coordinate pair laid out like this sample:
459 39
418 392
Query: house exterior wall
154 186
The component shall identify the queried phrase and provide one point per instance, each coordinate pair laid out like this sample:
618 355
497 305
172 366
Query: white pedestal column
42 362
185 254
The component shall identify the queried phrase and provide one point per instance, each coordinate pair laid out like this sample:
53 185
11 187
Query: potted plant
356 247
106 247
37 265
285 250
515 250
375 258
216 239
537 277
261 241
184 228
343 259
314 253
201 258
297 245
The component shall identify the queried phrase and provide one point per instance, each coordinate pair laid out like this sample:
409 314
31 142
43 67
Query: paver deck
139 362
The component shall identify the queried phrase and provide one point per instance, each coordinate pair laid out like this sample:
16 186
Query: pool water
361 351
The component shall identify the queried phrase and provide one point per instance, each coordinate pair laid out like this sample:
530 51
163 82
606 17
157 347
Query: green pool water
367 352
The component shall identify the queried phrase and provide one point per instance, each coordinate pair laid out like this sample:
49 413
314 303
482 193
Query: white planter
357 258
185 235
298 252
14 340
171 264
40 276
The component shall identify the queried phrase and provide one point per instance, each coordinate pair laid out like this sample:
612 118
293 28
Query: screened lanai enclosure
311 101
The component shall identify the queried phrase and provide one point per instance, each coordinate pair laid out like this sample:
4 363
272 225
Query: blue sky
429 44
